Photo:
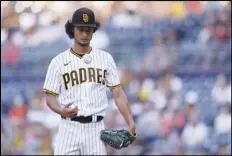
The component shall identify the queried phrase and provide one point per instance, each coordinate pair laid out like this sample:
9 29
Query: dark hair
69 29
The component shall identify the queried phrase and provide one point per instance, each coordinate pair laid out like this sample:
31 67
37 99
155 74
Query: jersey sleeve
52 82
112 78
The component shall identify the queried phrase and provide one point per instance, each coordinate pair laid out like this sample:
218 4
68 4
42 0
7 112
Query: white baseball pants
75 138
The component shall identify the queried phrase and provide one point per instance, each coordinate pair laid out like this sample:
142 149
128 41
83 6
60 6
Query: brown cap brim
85 25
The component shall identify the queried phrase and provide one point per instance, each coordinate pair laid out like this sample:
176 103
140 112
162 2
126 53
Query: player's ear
98 26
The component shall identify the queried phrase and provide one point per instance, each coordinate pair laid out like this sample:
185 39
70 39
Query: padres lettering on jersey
82 75
82 80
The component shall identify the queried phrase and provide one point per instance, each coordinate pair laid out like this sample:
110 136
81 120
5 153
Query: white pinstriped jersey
82 80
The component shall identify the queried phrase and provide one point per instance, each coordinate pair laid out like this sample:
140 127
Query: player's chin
84 43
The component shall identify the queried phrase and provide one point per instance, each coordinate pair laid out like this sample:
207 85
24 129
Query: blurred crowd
171 121
168 119
151 43
194 34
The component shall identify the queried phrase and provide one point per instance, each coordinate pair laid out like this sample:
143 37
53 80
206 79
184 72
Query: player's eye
88 30
81 29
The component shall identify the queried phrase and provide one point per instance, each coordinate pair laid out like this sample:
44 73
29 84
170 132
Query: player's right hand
69 112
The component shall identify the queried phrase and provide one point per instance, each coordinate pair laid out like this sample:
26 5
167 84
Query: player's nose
84 34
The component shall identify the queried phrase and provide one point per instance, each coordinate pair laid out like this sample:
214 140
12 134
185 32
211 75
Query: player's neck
81 50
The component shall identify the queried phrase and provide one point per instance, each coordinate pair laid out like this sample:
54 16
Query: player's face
83 35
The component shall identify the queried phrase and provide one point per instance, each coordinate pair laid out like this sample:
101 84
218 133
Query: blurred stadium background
174 60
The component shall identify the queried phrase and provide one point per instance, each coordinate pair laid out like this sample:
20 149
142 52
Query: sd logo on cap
85 17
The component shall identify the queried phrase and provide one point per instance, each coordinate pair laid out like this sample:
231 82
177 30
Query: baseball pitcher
75 86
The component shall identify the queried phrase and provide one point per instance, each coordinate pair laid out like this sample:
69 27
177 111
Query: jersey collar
79 55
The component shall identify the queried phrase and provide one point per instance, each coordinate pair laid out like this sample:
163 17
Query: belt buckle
94 118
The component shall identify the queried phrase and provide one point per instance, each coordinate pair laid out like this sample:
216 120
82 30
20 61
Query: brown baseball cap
84 17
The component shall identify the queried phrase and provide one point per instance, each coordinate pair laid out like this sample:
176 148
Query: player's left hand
117 138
